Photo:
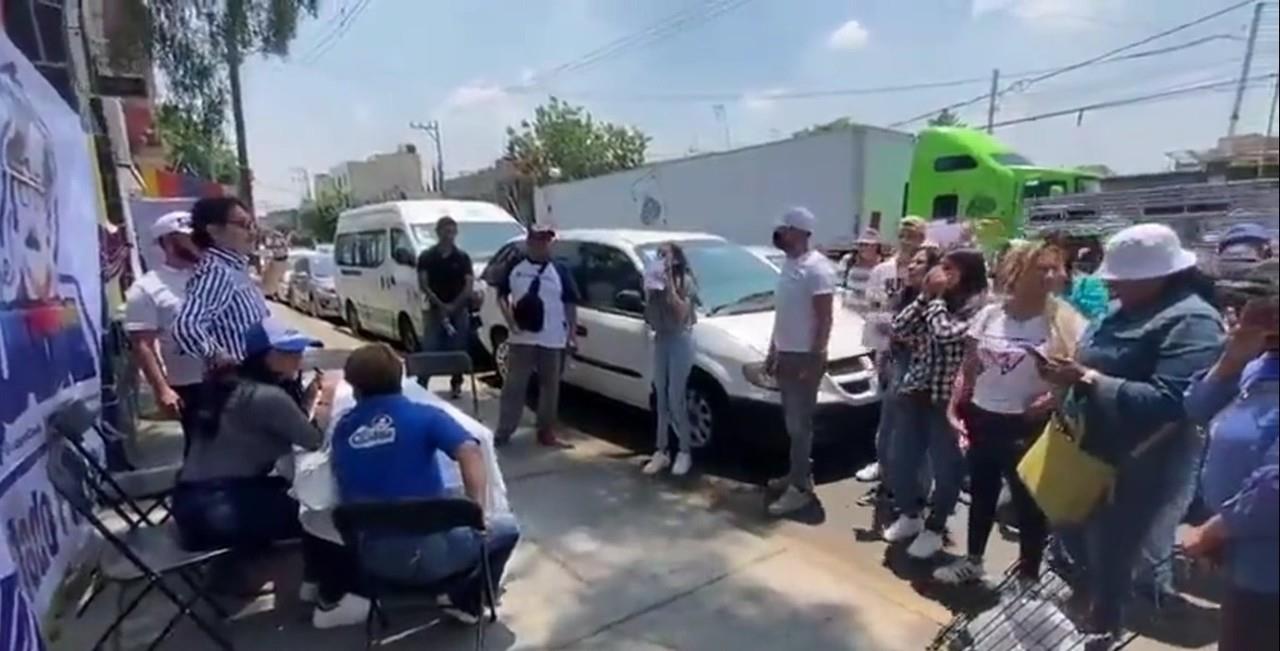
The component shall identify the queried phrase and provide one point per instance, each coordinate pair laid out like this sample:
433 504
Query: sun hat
273 334
178 221
1143 252
869 236
798 218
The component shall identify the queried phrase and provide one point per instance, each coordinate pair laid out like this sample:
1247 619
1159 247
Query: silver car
311 286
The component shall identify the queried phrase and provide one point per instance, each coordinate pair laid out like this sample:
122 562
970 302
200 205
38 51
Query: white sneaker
792 500
869 472
903 529
684 461
351 609
308 592
778 484
657 463
928 543
964 570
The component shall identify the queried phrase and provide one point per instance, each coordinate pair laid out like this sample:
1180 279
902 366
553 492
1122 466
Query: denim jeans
452 557
672 363
437 339
1107 549
921 430
1155 571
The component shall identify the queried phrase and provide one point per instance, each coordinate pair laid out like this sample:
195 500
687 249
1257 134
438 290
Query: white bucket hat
1144 251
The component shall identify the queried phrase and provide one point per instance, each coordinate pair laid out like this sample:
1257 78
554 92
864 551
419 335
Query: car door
402 281
374 264
300 281
614 352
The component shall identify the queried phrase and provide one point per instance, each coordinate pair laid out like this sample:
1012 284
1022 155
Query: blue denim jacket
1146 359
1241 475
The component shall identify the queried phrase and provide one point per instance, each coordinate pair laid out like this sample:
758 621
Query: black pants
997 443
190 396
249 514
1249 621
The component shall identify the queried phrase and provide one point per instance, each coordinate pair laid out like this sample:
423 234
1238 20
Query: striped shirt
222 302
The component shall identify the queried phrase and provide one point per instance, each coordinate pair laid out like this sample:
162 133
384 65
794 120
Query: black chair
426 365
147 555
414 518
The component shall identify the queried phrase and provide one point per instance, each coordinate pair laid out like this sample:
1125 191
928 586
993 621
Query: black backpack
529 312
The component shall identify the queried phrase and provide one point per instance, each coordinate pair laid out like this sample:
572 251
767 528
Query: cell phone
1036 353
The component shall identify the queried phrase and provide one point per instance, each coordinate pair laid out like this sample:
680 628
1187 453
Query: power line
336 35
1220 85
667 27
1022 84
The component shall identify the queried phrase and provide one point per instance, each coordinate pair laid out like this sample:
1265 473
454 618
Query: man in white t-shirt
151 304
538 299
798 350
883 287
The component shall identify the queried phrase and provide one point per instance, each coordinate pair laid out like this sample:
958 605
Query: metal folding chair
426 365
148 555
415 518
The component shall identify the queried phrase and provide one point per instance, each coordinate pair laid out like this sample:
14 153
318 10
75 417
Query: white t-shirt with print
800 280
151 304
555 324
1009 380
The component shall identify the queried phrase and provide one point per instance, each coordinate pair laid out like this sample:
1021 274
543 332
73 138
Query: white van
376 250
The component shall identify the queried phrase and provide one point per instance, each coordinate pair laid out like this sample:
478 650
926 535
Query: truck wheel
353 318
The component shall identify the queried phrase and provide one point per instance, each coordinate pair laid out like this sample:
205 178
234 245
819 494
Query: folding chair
425 365
325 359
414 518
145 554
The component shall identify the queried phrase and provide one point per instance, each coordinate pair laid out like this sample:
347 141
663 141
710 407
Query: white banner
50 330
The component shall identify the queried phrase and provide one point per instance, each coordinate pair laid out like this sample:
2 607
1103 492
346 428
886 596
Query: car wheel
501 353
408 338
353 318
706 405
313 308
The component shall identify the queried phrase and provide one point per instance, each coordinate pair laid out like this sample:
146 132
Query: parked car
376 252
770 254
312 288
728 386
280 292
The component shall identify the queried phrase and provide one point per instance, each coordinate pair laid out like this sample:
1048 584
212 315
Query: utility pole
232 29
301 174
723 118
1275 99
432 129
1244 69
991 102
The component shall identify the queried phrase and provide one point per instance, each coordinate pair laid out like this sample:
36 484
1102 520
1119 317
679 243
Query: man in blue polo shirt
384 450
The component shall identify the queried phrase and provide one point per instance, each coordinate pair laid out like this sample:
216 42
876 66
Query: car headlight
755 374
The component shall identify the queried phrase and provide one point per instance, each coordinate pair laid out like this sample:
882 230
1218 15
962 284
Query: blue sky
469 64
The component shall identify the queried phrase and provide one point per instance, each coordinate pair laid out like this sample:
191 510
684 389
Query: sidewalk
609 560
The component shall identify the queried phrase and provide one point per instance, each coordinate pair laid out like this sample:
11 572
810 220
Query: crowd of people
1163 383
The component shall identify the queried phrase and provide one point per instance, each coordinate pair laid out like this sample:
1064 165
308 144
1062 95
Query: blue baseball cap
273 334
1250 232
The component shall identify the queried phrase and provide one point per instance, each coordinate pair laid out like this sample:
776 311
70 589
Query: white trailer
852 179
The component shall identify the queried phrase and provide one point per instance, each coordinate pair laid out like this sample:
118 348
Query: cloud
1048 14
473 94
762 101
474 117
849 36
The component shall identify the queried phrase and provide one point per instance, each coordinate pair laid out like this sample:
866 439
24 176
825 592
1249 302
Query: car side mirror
404 257
629 300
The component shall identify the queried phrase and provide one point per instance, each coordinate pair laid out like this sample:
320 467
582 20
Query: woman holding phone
670 311
1001 403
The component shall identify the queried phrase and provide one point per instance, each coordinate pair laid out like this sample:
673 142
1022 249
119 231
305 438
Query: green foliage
834 125
564 143
192 147
320 217
946 118
188 41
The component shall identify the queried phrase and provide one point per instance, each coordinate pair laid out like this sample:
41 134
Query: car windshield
731 279
322 266
479 239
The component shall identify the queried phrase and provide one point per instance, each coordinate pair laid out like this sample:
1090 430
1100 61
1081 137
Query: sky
726 75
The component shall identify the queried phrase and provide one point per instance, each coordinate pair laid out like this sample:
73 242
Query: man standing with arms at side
538 299
446 278
151 305
798 350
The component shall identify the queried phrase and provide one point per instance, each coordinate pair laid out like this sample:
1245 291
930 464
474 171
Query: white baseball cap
1144 251
799 219
170 223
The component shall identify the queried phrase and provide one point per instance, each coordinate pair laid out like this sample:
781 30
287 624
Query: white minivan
376 251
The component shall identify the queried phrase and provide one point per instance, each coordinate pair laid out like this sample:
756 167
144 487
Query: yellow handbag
1066 482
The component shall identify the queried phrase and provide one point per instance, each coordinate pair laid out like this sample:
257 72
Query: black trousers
997 443
1249 621
190 396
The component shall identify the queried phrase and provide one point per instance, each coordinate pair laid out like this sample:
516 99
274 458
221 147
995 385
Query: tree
198 46
946 118
834 125
564 143
320 217
192 148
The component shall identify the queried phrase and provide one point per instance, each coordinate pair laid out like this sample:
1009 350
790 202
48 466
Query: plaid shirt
938 339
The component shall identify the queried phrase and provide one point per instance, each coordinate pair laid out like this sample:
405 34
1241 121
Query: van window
954 163
945 206
402 246
371 248
344 250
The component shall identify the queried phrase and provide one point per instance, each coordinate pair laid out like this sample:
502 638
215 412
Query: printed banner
50 320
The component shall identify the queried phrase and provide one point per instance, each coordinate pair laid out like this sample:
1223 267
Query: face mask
778 241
